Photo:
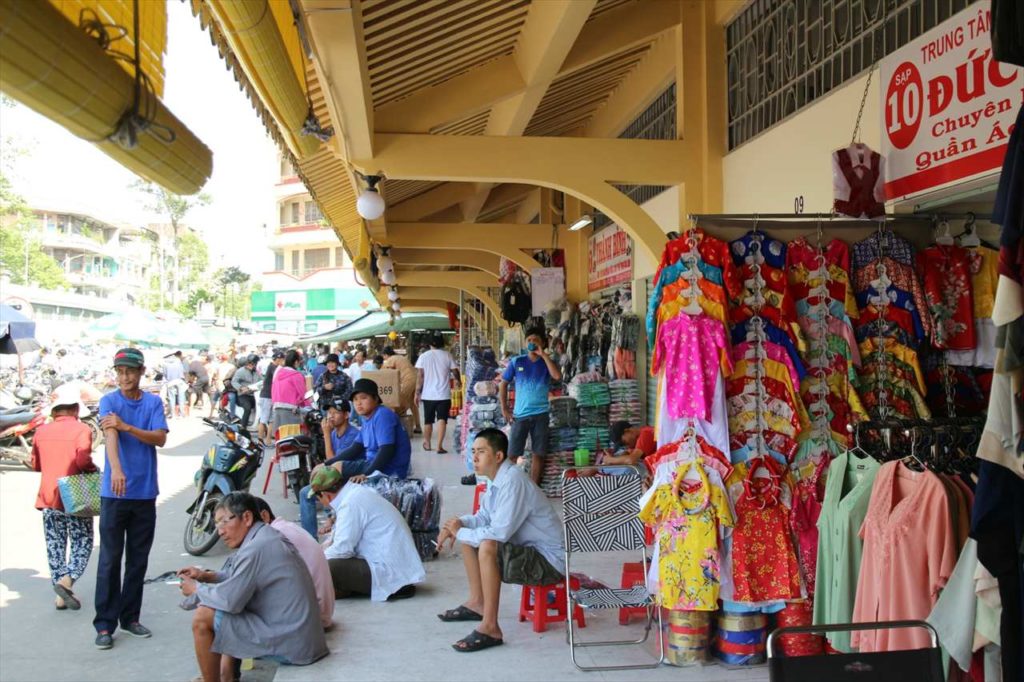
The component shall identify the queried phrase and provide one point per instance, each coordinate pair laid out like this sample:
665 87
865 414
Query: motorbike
298 455
16 429
226 468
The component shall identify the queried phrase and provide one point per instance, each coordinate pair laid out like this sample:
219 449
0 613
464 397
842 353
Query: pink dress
909 554
804 517
691 349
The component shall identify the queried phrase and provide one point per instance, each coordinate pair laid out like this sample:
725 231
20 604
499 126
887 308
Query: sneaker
137 630
104 640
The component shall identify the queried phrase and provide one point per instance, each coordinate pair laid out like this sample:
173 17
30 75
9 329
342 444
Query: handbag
80 494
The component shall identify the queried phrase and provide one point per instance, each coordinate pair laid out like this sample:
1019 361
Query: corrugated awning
378 323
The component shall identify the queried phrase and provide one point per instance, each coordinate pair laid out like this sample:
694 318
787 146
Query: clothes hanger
943 236
969 237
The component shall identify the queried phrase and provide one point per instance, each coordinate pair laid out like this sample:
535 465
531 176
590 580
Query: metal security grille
657 122
784 54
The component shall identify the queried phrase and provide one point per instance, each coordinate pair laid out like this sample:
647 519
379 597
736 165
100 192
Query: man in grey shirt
174 383
261 604
243 380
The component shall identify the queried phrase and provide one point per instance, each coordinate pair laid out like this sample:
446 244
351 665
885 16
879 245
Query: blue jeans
307 512
232 402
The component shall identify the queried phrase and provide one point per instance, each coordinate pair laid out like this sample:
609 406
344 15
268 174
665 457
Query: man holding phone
532 373
134 426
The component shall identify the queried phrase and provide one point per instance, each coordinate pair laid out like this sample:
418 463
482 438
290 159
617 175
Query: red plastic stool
633 574
536 606
480 489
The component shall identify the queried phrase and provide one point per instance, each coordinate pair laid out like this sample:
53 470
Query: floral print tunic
765 565
686 530
946 273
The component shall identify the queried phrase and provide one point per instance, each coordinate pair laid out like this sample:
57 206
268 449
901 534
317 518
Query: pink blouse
692 349
909 554
289 387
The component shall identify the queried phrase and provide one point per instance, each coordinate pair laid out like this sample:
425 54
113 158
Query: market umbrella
132 325
17 332
184 334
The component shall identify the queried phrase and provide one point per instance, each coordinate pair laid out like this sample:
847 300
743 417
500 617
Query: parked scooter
17 427
225 469
298 455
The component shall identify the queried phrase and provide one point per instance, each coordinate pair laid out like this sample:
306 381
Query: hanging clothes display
858 179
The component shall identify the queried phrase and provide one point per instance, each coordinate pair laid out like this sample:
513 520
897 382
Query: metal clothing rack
835 219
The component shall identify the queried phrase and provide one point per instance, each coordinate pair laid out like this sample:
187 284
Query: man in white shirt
433 371
371 551
515 537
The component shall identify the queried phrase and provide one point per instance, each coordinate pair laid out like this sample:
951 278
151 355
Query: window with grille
317 259
278 261
295 212
785 54
313 214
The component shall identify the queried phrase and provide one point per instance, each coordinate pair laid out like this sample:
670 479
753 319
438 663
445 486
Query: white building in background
311 287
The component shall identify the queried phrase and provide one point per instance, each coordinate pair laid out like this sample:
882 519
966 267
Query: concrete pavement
370 641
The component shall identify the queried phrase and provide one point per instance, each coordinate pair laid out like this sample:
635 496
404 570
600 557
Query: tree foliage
21 254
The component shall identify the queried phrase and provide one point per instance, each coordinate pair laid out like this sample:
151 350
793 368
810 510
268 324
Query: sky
60 170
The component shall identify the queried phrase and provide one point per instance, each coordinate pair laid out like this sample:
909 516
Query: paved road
39 643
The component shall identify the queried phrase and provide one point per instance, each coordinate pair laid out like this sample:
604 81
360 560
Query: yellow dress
686 533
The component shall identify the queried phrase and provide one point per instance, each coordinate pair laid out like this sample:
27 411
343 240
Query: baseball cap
278 354
340 404
367 386
324 478
129 357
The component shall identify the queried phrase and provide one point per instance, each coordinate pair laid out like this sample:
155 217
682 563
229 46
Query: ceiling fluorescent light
584 220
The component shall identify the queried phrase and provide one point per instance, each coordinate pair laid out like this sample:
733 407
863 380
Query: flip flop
68 596
476 641
442 451
426 446
459 614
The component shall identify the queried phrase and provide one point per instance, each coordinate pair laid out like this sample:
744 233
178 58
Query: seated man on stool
515 537
371 551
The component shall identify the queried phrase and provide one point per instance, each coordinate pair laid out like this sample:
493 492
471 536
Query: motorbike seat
300 441
15 418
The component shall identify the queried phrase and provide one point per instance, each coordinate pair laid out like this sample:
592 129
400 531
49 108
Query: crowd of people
274 596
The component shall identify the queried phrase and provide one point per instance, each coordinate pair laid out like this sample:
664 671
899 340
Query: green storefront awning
377 323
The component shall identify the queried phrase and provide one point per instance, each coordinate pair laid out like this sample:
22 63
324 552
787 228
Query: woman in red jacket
63 447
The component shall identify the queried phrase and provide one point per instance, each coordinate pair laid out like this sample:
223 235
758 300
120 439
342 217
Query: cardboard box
387 384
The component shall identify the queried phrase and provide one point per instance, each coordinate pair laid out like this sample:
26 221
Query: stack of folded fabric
563 413
594 438
554 464
595 394
562 440
625 397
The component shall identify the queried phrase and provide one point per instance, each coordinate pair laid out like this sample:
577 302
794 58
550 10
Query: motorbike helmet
252 359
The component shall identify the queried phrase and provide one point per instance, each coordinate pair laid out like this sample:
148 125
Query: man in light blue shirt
515 537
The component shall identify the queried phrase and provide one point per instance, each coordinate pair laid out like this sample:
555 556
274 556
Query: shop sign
610 258
290 305
948 107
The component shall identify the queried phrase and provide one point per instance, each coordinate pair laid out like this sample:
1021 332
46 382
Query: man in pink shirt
311 554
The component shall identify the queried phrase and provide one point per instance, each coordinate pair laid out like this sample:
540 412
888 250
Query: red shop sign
948 107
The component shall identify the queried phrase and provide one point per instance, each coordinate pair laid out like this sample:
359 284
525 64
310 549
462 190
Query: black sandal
477 641
70 600
460 614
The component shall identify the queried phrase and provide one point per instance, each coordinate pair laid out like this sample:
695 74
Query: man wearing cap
266 404
371 551
339 435
63 447
333 383
134 426
383 444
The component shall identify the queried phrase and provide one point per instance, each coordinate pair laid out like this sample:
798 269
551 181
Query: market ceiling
474 111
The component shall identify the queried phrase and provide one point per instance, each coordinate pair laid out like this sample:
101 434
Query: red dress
806 510
765 565
946 273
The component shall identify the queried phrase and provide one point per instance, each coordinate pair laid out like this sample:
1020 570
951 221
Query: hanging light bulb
387 277
396 306
370 204
393 295
385 263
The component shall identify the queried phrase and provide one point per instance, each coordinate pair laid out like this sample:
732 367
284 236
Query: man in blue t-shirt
383 444
532 373
134 425
339 435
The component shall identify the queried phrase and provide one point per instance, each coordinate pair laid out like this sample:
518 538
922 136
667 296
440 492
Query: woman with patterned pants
61 448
